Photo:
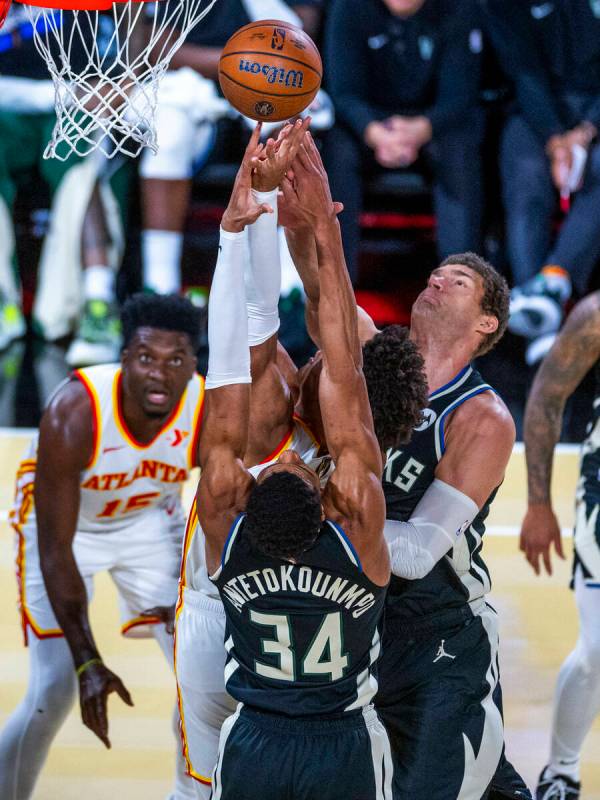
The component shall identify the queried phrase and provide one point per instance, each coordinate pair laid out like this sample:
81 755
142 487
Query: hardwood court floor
539 627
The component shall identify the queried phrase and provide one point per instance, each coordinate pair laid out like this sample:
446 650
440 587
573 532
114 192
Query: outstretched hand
306 194
242 208
95 684
271 164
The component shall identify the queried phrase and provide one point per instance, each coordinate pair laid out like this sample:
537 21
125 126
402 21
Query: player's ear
124 355
323 515
487 324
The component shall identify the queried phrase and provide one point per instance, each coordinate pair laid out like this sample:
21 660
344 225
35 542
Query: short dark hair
283 516
496 295
397 386
167 312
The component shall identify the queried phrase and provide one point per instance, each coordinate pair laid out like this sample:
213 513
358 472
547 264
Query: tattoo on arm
574 353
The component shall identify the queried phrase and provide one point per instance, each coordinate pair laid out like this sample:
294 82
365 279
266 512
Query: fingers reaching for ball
271 163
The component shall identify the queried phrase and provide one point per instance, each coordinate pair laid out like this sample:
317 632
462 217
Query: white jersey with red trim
194 574
125 478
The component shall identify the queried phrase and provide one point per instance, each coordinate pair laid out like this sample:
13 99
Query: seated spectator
551 51
189 104
85 220
404 77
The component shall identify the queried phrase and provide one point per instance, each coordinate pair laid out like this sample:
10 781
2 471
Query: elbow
413 570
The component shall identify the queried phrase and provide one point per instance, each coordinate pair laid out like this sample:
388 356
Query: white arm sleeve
440 518
263 274
228 353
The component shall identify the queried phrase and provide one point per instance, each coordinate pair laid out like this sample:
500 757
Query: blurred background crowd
445 125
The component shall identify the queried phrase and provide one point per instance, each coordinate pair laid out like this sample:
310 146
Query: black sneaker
557 787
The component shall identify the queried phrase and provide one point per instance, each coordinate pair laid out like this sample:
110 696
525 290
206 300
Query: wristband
82 667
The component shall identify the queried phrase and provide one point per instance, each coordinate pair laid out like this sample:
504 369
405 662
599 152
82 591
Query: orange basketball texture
270 70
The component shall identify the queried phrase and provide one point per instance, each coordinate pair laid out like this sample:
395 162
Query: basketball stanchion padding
106 83
270 70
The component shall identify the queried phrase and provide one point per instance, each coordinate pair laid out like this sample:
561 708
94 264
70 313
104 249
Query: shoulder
486 415
68 424
70 405
584 318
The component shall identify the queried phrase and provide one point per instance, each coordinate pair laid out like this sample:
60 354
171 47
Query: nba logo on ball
278 39
270 70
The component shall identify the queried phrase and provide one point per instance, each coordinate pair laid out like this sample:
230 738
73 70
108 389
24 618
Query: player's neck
444 359
142 427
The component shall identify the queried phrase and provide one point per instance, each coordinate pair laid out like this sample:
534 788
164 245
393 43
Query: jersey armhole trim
192 454
190 529
306 427
346 544
229 542
440 441
283 445
96 415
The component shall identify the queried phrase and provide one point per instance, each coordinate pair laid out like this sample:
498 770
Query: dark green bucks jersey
302 638
462 575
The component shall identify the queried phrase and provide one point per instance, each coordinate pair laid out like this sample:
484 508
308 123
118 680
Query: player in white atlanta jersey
116 444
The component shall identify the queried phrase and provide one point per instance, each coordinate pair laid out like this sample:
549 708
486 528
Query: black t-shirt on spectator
549 48
378 64
223 20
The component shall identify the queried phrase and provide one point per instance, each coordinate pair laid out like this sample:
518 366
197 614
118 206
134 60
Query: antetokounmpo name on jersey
305 580
155 470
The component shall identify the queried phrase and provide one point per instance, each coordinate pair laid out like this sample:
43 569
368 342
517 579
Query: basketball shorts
440 701
199 668
142 559
269 757
587 537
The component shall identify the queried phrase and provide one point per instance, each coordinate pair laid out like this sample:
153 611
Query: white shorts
142 559
199 668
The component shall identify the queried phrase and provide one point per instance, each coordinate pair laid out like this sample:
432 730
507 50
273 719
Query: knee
590 645
56 690
529 171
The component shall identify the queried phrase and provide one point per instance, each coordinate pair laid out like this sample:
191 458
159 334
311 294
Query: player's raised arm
354 495
65 449
224 482
271 404
575 351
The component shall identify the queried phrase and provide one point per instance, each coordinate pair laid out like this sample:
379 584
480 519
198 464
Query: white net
106 66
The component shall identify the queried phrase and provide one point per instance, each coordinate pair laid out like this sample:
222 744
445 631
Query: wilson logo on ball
284 77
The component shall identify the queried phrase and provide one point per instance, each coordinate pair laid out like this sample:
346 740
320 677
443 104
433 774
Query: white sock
99 283
161 261
577 697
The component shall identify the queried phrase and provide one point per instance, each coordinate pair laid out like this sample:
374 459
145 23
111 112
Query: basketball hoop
106 83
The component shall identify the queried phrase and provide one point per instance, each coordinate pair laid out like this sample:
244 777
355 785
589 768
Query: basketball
270 70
